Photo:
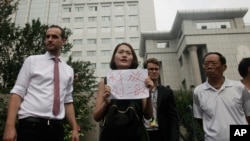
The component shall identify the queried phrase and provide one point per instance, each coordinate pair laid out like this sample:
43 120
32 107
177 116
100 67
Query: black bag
123 123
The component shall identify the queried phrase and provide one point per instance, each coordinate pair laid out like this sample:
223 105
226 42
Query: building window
106 40
162 45
133 28
119 40
223 26
119 29
92 8
213 25
92 41
132 7
66 9
92 30
76 53
105 29
92 19
119 18
105 53
91 53
92 66
133 17
66 20
77 41
105 18
104 65
79 9
203 27
78 19
119 7
181 61
78 31
106 8
134 39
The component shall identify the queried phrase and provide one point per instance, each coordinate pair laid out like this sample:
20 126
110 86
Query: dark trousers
37 129
154 135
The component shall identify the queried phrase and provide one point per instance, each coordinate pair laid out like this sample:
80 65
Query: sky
165 10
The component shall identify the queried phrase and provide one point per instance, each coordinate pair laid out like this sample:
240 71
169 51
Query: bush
3 113
184 102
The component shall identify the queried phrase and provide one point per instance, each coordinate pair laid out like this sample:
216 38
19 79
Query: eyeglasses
213 64
153 69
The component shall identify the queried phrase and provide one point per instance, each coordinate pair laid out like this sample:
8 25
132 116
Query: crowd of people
42 97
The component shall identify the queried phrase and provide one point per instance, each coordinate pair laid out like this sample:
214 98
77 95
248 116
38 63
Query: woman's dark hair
243 67
134 63
221 57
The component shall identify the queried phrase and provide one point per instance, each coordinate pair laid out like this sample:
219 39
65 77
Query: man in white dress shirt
32 96
220 102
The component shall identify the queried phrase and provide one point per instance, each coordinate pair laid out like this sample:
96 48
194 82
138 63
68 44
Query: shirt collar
50 57
227 83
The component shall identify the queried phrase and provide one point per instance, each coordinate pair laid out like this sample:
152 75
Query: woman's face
123 57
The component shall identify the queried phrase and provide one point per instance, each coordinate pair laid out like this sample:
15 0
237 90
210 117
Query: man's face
213 67
54 41
153 71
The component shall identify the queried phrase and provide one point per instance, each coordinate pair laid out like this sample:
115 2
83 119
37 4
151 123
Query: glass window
78 31
92 30
105 18
133 17
92 19
119 7
119 40
106 40
79 9
119 18
92 66
92 41
133 28
134 39
78 19
92 8
76 53
105 29
77 41
106 8
105 53
104 65
119 29
66 9
132 7
91 53
66 20
162 45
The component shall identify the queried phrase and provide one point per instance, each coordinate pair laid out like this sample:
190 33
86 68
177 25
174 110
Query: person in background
219 102
123 57
244 71
33 95
164 126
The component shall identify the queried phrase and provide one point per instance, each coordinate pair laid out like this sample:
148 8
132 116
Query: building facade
97 25
193 34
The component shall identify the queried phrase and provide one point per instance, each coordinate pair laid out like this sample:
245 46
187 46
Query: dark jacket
167 114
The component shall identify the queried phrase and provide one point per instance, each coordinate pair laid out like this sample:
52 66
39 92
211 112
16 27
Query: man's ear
248 70
225 67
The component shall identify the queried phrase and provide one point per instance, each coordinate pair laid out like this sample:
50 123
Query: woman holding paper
123 58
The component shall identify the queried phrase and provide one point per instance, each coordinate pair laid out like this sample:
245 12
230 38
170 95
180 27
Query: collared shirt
35 84
221 108
152 124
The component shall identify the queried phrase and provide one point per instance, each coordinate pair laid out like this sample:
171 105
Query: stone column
195 64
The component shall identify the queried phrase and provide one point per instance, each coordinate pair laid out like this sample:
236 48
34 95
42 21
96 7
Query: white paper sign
128 84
